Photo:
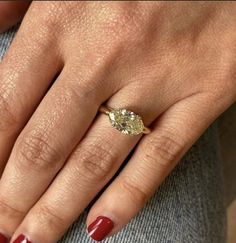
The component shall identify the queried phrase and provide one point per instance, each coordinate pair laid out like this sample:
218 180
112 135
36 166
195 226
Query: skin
172 63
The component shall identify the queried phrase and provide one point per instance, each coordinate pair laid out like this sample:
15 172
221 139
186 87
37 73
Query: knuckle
55 17
33 150
44 40
9 210
163 149
47 215
134 192
48 20
122 22
48 15
95 162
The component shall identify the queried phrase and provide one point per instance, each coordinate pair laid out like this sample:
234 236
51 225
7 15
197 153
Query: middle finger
42 148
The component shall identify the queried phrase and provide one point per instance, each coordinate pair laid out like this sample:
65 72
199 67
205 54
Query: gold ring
125 121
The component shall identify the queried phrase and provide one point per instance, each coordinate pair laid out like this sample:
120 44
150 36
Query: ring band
125 121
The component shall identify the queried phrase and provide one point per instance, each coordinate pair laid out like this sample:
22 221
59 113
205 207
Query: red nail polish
3 238
100 228
21 239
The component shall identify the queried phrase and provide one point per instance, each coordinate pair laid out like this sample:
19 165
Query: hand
172 63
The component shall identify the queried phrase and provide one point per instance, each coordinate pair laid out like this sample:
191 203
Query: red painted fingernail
3 238
100 228
21 239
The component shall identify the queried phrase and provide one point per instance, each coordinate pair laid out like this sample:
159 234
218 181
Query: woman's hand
172 63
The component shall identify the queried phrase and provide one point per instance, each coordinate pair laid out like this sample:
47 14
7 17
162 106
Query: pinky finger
157 154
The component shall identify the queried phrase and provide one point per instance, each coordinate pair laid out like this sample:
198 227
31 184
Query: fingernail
21 239
100 228
3 238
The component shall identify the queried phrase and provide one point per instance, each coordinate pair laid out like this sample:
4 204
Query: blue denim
187 208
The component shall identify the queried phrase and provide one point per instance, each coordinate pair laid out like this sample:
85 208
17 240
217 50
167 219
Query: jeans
187 208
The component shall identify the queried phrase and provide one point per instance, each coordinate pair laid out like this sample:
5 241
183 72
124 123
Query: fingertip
100 228
3 238
104 221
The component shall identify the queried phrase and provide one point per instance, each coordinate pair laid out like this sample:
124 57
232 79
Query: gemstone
126 121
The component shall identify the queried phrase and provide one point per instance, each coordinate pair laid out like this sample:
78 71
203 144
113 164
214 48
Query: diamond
126 121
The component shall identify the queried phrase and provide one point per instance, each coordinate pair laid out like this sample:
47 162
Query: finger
90 167
156 155
43 146
26 72
11 12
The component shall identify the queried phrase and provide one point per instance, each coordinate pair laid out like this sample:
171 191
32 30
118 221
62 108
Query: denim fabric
187 208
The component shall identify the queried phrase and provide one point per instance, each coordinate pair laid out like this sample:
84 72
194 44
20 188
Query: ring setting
125 121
